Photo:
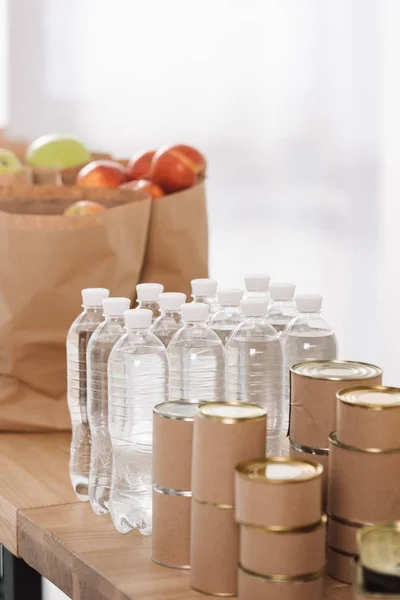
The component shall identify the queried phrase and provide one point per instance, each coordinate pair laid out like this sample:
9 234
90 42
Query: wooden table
41 522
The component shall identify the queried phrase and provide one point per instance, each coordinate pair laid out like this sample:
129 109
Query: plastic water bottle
170 321
257 286
254 363
196 359
204 291
77 340
147 297
229 315
282 308
100 345
307 337
137 381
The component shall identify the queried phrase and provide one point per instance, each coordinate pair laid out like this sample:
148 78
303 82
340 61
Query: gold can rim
341 552
169 566
341 396
214 504
378 370
303 578
245 471
202 407
216 594
373 559
282 530
308 449
157 410
333 440
347 522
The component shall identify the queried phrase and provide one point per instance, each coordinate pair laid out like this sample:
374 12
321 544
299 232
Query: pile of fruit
157 172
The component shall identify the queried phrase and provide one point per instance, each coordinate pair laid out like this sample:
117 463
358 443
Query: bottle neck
255 320
175 314
204 299
196 324
144 303
136 331
93 310
114 318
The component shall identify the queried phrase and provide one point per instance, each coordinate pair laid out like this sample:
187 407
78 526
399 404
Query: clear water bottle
100 345
204 291
77 340
137 381
170 321
196 359
257 286
254 363
147 297
282 308
229 315
307 337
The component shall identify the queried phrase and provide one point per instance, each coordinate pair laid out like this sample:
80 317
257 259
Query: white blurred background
294 102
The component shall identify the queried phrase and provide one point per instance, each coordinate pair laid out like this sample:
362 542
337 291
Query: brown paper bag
177 247
45 261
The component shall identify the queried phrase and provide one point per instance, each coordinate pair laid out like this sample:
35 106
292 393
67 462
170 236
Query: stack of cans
282 529
224 435
172 496
313 389
364 467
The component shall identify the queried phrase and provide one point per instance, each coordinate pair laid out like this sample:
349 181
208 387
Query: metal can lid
336 370
231 412
379 548
279 470
181 411
375 397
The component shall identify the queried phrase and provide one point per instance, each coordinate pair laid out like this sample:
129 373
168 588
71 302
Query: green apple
9 162
56 151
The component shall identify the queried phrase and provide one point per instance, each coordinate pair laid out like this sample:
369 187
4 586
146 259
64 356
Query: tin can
364 485
314 385
225 433
342 534
360 593
214 550
278 492
256 587
315 455
292 553
172 445
340 565
171 528
369 417
379 554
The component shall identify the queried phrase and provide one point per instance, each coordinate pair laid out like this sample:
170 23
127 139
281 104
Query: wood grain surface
33 472
84 556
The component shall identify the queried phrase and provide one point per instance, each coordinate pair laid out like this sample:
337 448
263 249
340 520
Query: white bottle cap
254 307
230 297
195 311
171 301
257 283
115 306
309 303
282 291
94 296
204 287
138 318
149 292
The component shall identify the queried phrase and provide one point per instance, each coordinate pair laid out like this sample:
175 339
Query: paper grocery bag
45 261
177 246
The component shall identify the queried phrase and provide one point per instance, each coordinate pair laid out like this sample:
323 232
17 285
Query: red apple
102 173
83 207
139 165
178 167
144 185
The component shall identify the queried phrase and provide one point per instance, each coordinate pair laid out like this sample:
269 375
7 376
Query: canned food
360 593
171 528
214 550
369 417
292 552
256 587
364 485
340 565
225 433
379 552
315 455
314 385
278 492
342 534
172 445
